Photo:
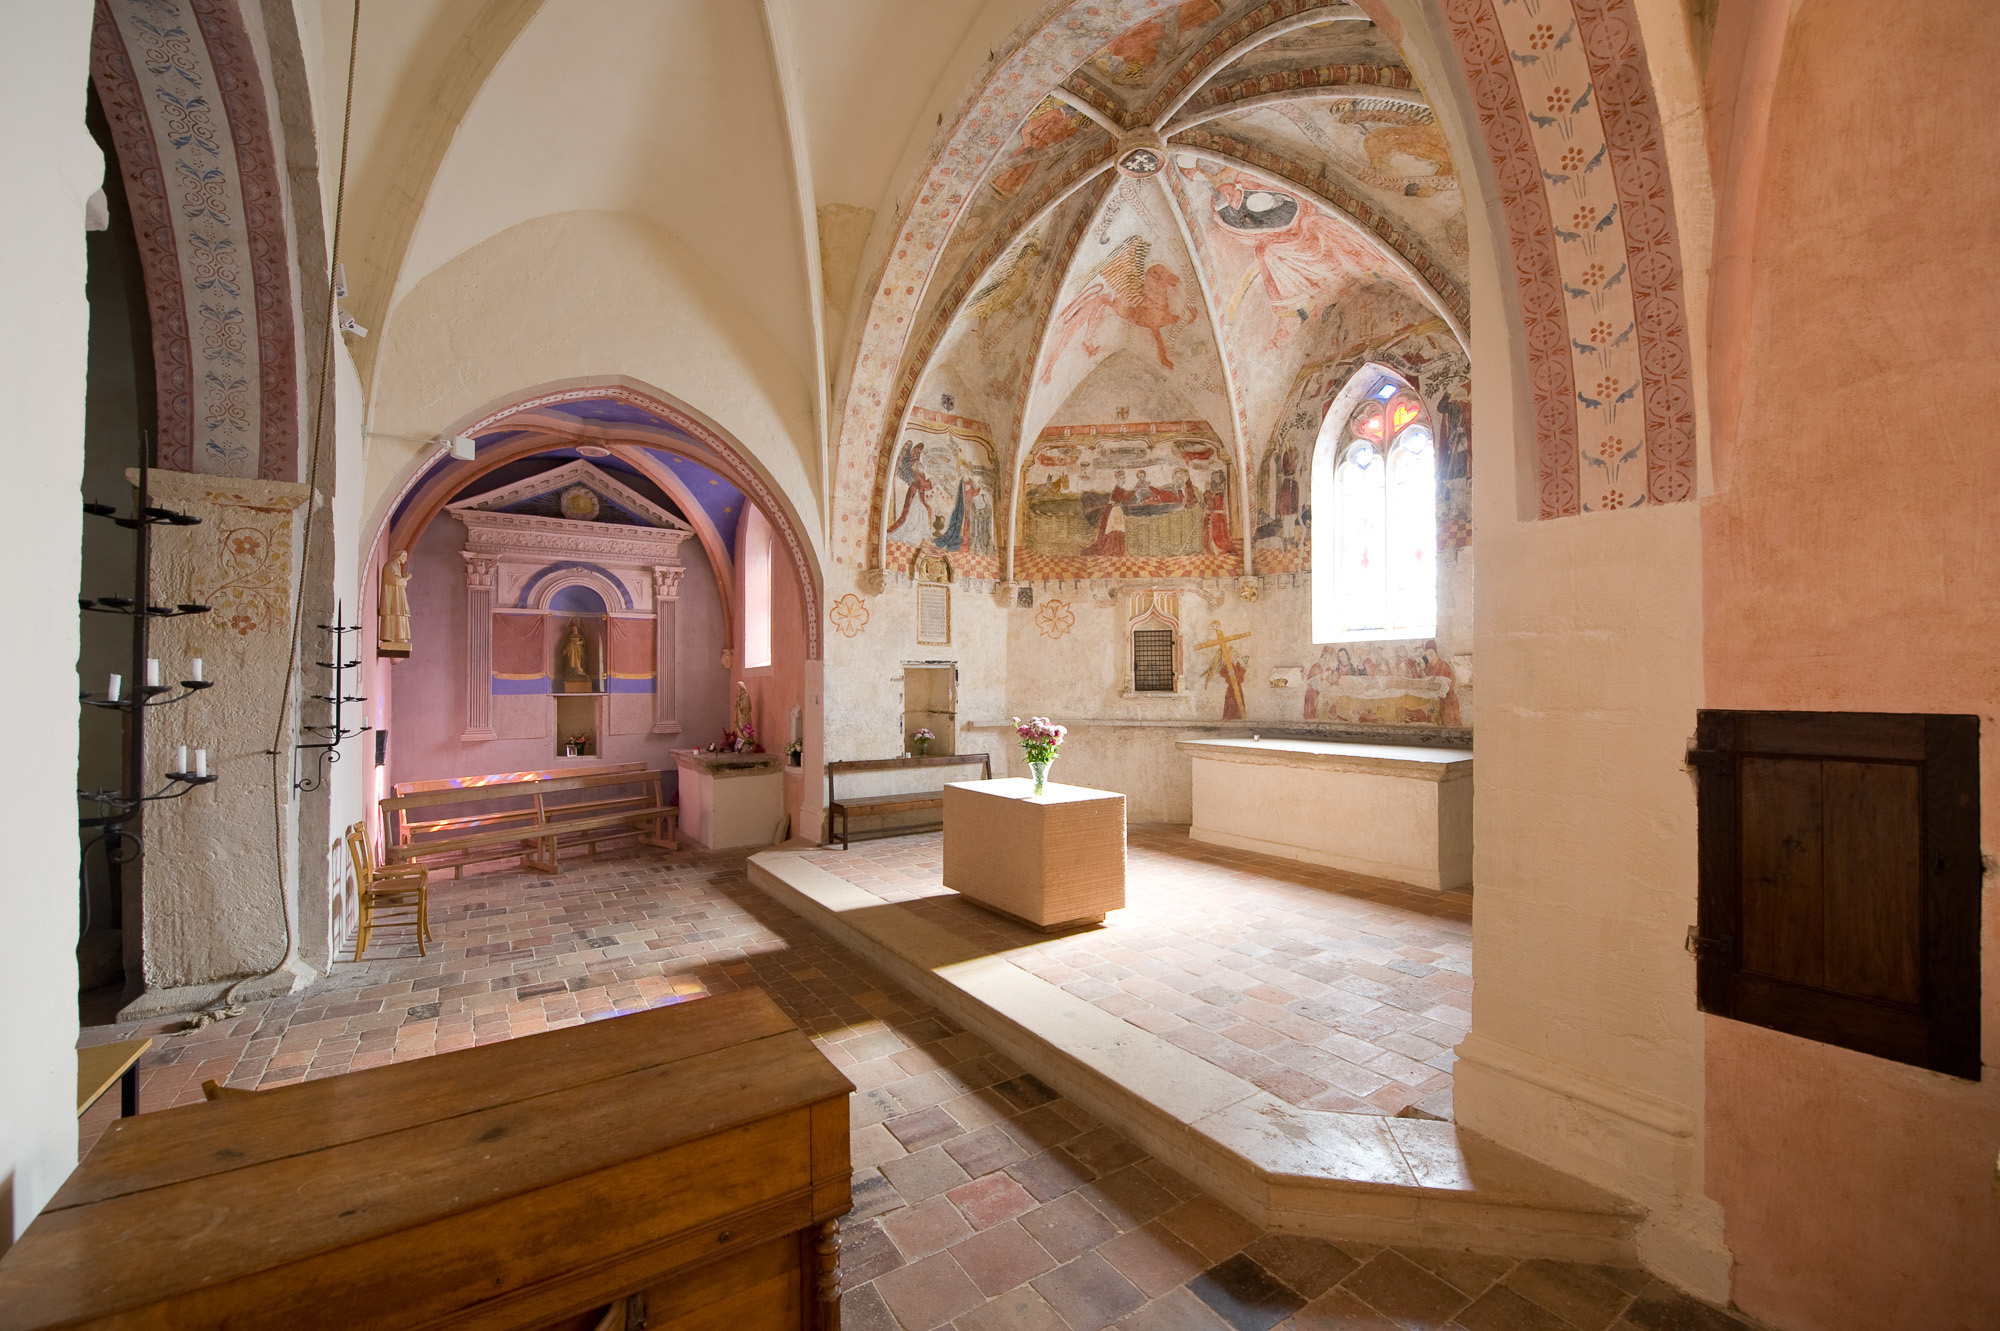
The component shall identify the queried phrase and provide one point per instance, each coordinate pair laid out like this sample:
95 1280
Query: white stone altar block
1400 812
1051 860
730 799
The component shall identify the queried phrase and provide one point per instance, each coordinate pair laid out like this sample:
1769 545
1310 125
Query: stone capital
479 569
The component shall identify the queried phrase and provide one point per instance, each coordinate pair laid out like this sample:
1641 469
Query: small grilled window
1153 661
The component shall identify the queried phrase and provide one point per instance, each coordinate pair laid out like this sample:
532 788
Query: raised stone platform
1335 1175
1404 812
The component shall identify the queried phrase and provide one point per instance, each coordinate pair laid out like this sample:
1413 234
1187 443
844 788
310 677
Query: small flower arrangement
922 734
738 741
1040 738
920 741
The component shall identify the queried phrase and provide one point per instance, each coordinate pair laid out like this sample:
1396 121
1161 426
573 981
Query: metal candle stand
335 732
116 808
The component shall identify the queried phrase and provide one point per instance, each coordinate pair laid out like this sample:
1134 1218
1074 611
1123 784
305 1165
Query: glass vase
1041 771
921 747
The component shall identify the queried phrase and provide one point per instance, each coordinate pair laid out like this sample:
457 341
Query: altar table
730 799
1054 860
1395 811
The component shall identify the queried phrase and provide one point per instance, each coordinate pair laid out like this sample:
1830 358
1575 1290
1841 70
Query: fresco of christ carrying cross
1225 664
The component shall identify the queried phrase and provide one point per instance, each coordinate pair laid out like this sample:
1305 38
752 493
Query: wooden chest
676 1168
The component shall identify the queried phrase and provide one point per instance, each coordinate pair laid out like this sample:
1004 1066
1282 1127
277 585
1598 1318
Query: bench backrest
857 765
512 799
512 778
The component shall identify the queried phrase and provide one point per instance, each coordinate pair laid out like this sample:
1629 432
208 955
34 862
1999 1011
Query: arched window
1374 558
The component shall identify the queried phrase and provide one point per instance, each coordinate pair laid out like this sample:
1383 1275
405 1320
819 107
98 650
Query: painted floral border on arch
1570 122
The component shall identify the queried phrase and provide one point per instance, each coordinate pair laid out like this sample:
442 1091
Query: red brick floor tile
1002 1257
927 1227
990 1200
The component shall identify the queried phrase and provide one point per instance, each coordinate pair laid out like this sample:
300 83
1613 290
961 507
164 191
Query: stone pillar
666 625
220 888
479 645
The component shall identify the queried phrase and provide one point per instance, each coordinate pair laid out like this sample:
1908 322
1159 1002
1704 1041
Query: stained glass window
1375 478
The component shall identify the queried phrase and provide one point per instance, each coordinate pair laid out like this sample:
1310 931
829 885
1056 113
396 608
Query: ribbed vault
1188 217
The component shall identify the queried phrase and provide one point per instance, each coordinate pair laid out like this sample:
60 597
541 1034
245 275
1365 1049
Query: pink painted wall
1852 562
426 716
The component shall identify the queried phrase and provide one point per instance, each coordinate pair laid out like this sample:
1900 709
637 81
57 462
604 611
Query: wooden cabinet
676 1168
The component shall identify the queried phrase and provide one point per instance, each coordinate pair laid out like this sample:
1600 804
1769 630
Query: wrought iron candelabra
335 731
117 808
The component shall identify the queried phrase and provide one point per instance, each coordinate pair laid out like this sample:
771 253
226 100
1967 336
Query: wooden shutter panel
1840 879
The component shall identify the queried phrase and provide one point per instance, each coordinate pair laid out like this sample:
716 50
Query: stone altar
1400 812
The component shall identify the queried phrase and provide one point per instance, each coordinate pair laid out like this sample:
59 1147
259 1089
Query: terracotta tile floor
983 1201
1327 989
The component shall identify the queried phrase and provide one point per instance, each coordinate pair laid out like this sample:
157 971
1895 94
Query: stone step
1360 1177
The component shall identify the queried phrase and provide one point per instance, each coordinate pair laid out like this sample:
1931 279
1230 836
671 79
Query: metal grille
1153 661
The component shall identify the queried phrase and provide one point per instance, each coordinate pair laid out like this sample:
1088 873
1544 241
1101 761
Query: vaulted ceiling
1215 197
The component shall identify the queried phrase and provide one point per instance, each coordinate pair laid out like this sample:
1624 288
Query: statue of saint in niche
392 637
573 654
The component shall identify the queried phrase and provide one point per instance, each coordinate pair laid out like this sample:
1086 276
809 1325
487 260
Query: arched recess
730 458
184 94
439 478
541 590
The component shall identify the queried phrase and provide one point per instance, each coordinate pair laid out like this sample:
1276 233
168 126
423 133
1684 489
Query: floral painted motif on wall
849 615
943 494
249 582
1139 500
1384 683
1055 618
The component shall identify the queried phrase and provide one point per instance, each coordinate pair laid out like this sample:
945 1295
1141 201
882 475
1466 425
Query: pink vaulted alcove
578 595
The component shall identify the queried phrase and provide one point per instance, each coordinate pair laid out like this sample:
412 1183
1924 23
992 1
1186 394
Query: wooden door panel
1841 879
1874 907
1783 927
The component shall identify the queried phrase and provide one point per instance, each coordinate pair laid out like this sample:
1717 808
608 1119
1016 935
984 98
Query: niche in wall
930 702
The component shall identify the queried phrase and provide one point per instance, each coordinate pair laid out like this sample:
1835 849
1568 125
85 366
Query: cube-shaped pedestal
1051 860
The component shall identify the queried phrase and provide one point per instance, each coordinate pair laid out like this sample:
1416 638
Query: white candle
195 667
181 762
112 692
152 672
201 762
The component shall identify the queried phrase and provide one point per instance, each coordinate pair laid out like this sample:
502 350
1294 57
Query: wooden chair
403 889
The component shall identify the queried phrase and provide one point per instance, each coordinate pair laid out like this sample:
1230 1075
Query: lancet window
1374 483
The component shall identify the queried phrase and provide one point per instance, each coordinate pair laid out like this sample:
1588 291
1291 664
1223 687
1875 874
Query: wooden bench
522 820
408 828
911 801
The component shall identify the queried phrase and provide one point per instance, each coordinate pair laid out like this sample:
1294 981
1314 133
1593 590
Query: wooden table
1054 860
681 1167
98 1065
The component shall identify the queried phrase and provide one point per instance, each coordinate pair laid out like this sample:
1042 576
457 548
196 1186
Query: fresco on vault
1133 58
1398 683
1125 286
1140 500
942 495
1052 125
1300 257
